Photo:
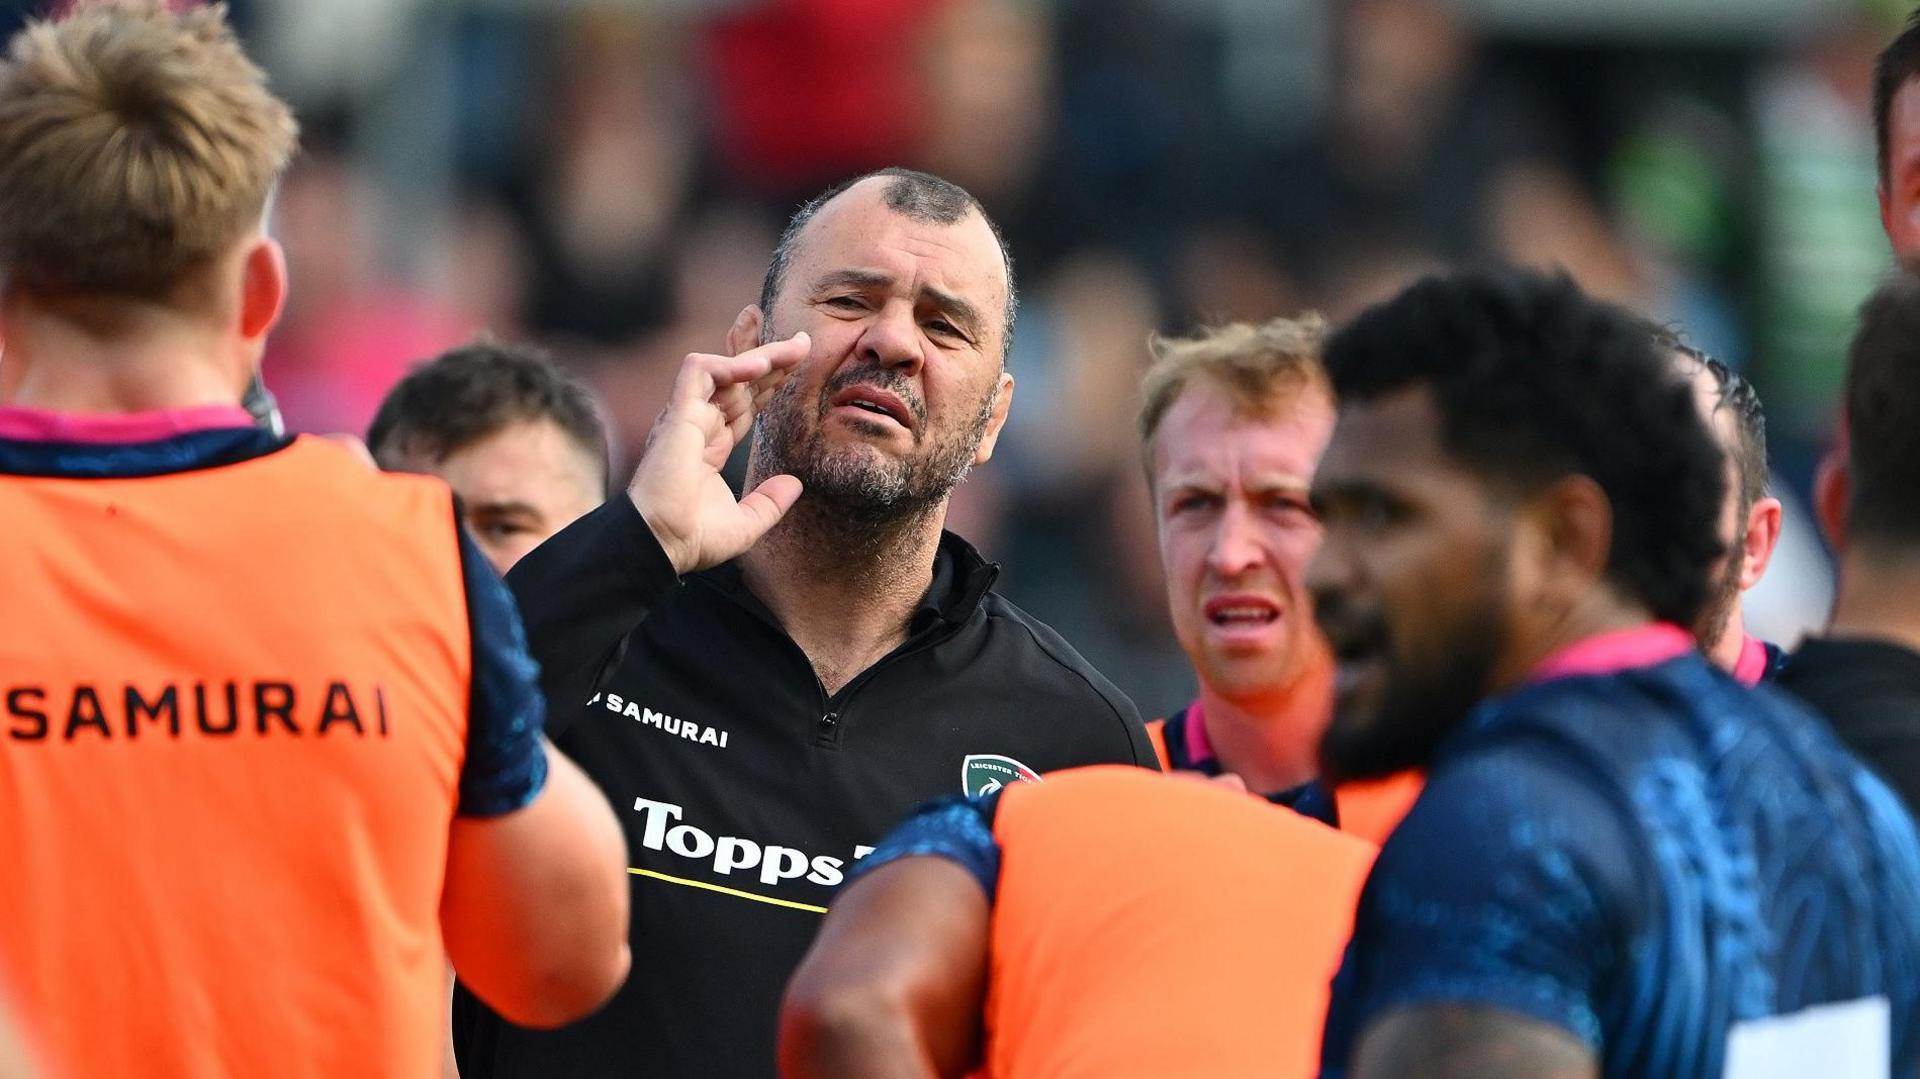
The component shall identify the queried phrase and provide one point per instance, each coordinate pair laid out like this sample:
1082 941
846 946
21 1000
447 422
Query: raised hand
678 487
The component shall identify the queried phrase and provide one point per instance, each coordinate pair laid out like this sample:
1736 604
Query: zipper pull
827 732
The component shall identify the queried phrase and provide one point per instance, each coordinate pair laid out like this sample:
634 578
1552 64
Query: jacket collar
961 581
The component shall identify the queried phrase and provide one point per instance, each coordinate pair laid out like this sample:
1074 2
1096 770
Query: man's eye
1193 503
1373 514
847 303
943 327
1291 509
499 530
1360 512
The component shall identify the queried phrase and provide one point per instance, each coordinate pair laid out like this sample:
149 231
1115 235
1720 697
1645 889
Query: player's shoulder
1522 801
1571 700
1609 724
346 464
326 495
1045 655
341 480
1021 678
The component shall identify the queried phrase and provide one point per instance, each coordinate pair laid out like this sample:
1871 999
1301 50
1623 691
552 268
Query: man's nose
893 340
1236 543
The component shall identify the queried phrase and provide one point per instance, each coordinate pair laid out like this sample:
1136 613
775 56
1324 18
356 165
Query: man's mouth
1243 623
876 402
1241 612
1355 653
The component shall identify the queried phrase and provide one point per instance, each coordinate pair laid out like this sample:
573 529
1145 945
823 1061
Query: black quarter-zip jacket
747 790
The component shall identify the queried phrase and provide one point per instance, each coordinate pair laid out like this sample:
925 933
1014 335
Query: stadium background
608 178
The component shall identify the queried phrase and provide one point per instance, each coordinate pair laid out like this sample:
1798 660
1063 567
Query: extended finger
704 375
757 363
739 402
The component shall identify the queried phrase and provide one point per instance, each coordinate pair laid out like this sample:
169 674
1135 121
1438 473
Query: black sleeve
505 765
581 593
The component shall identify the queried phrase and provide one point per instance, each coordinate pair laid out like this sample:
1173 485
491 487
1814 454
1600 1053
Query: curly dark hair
1533 380
1883 418
1737 396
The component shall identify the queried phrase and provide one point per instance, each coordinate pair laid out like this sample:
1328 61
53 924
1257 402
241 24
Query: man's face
1900 190
518 486
1410 585
1236 532
904 389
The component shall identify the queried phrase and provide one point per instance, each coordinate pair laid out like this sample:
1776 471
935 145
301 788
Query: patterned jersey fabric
1655 860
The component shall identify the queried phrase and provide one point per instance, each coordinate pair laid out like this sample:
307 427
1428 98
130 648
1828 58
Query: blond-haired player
270 743
1233 421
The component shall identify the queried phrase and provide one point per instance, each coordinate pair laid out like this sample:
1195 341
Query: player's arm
585 589
534 908
894 983
1467 1042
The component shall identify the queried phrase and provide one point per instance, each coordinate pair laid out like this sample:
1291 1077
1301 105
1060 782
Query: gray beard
855 483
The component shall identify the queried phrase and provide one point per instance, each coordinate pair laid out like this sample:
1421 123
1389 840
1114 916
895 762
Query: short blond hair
135 145
1261 366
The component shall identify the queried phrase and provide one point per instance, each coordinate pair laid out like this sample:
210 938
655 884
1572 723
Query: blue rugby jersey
1649 859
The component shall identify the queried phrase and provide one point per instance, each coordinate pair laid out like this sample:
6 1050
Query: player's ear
746 330
1578 522
263 288
1832 490
1757 543
1560 541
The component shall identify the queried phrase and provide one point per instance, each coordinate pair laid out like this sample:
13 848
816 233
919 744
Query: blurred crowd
608 179
1460 566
